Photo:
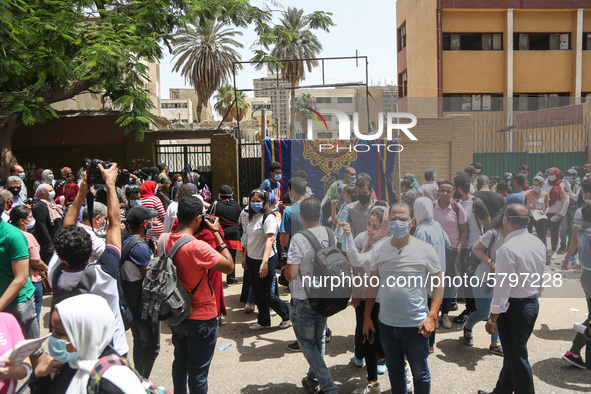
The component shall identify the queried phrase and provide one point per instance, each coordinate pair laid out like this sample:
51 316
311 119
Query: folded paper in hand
537 215
23 349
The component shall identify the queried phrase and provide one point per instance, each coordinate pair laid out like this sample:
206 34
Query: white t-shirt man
98 244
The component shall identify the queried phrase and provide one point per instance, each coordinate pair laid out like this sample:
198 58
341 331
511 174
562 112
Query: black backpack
328 262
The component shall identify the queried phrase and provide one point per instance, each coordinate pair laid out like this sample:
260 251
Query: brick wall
444 144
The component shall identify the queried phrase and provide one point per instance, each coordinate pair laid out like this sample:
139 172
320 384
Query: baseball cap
138 214
573 171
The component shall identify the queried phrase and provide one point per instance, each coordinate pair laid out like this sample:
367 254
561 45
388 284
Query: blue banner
319 157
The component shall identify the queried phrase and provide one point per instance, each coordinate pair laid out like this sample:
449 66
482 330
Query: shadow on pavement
557 373
554 335
456 352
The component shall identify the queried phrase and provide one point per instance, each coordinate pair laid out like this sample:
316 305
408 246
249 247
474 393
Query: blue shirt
271 186
515 197
291 222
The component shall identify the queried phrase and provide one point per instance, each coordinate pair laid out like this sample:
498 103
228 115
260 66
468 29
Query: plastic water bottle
342 217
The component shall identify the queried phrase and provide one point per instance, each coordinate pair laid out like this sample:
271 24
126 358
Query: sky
369 30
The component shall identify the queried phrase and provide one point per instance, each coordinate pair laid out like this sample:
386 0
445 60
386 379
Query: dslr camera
209 218
93 172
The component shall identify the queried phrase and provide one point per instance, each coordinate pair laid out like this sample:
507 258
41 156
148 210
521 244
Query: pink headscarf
382 232
42 194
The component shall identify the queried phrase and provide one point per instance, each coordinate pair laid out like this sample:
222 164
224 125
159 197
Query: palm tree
302 103
293 39
206 53
224 99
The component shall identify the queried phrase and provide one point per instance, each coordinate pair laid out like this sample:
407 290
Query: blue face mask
277 177
57 350
398 228
569 178
586 200
179 183
256 206
352 179
149 230
536 188
30 225
134 203
102 230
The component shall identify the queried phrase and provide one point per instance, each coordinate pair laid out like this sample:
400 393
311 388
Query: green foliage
225 97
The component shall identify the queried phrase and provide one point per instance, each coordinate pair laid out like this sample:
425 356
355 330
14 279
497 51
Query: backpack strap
132 242
480 226
177 245
314 241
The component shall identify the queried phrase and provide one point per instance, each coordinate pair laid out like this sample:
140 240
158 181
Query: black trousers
468 294
554 228
232 275
363 349
515 327
541 228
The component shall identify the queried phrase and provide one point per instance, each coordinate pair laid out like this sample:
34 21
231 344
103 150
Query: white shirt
559 206
98 244
170 217
257 238
522 253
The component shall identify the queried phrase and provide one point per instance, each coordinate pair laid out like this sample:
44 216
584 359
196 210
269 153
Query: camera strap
90 205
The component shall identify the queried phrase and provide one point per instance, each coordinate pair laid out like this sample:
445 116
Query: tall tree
302 103
225 105
205 56
54 50
295 46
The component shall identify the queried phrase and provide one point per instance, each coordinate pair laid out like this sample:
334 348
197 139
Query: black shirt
493 201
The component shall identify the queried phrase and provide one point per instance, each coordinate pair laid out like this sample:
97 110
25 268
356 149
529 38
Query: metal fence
250 177
177 155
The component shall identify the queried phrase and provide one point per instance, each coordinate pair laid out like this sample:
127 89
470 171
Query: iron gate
249 164
177 155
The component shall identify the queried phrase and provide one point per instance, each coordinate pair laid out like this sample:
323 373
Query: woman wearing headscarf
83 329
558 206
38 178
48 219
377 229
46 177
431 232
228 211
412 178
150 201
538 200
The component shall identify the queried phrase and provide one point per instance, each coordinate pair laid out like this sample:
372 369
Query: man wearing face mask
360 210
135 257
19 171
273 183
14 185
133 195
586 193
405 320
8 199
291 222
97 231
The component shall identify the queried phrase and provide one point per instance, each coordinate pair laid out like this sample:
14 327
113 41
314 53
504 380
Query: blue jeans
567 227
194 344
38 295
482 311
309 328
515 327
406 341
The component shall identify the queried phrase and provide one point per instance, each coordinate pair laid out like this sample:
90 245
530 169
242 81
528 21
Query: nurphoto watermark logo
393 120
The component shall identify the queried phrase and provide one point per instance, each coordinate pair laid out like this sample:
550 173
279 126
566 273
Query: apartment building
506 55
273 87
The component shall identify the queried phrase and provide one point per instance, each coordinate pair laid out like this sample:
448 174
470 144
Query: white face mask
51 195
551 177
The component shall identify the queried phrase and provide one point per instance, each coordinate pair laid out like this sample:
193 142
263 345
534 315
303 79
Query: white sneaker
285 324
437 322
272 312
446 321
249 307
554 256
409 382
257 326
368 389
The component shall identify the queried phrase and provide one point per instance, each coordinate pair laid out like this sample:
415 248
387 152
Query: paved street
260 362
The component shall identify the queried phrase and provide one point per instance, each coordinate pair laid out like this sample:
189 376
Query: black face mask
364 199
14 190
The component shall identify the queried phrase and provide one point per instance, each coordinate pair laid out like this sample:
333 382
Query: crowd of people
89 239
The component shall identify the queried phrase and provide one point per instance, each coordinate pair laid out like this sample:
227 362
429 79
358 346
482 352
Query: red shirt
192 262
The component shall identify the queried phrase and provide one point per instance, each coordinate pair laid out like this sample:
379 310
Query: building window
587 41
473 102
541 41
472 41
328 118
402 84
345 100
323 100
325 135
402 37
535 101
